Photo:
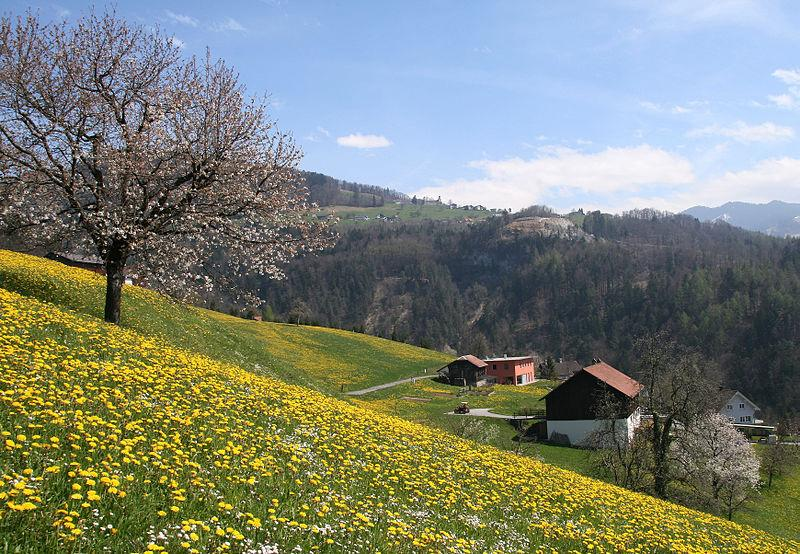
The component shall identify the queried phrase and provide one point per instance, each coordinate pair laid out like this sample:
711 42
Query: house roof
567 369
477 362
508 359
727 394
614 378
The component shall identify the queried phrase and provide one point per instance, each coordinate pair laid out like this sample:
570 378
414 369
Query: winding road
388 385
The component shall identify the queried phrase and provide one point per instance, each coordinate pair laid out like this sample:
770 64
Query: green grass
406 212
777 510
316 357
327 359
428 402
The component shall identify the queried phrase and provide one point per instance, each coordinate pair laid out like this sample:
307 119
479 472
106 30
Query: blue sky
609 105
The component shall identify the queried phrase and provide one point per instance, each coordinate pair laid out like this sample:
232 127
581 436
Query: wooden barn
466 371
573 406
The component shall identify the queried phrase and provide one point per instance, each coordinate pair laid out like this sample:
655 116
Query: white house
738 408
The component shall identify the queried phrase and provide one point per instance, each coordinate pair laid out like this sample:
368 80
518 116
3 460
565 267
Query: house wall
578 429
510 371
461 372
575 399
736 413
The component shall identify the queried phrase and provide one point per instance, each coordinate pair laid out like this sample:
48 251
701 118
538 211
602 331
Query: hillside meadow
318 357
116 440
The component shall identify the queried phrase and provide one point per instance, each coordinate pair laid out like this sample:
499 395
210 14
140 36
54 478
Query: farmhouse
466 371
738 408
517 370
572 407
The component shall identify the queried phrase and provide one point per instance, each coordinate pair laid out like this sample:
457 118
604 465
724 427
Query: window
730 407
494 366
747 419
741 406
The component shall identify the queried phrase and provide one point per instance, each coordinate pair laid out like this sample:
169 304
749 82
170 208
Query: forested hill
328 191
513 284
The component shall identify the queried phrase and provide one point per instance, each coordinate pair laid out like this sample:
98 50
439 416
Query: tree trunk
661 443
115 277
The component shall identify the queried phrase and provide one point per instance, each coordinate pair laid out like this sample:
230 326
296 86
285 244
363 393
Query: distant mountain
776 218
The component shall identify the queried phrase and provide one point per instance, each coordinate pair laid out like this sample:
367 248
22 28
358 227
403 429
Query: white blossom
112 143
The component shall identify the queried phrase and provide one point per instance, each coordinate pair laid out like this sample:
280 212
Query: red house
518 370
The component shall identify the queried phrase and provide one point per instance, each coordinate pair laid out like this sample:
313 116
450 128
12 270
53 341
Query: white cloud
771 179
558 174
177 42
357 140
788 76
318 134
229 24
791 99
182 18
677 109
742 132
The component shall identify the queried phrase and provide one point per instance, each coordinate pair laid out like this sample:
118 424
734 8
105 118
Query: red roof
614 378
477 362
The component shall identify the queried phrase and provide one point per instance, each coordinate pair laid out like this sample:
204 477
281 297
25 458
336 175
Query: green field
406 212
428 402
777 509
321 358
171 433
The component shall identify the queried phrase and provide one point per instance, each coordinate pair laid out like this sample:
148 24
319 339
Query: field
115 439
777 510
428 402
325 359
406 212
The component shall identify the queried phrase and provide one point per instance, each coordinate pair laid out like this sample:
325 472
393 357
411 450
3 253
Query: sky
608 105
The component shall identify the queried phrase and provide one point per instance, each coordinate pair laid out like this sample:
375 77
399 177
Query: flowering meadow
115 441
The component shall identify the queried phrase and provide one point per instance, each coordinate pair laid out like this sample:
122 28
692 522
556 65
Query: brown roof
477 362
614 378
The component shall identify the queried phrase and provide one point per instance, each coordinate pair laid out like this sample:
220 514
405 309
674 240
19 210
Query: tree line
732 294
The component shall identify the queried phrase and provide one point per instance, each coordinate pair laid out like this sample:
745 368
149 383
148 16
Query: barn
466 371
572 407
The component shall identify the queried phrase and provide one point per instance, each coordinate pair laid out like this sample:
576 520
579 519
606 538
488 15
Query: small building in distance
563 369
572 407
738 408
466 371
76 260
517 370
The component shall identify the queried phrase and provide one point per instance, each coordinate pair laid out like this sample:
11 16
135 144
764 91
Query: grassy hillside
326 359
406 212
117 440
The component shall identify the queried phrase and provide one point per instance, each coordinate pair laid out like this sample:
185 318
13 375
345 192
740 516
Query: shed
465 371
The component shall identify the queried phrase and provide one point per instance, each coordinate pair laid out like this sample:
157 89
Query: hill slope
323 358
115 440
503 285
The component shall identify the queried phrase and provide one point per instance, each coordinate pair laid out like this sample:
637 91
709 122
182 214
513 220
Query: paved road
392 384
484 412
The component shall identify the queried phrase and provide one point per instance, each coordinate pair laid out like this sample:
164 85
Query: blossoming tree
113 143
717 462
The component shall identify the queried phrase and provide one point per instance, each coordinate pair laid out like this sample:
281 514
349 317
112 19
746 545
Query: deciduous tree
115 144
717 462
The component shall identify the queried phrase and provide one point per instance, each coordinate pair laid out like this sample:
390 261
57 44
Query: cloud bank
357 140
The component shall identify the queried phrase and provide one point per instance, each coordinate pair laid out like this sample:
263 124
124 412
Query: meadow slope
118 441
321 358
